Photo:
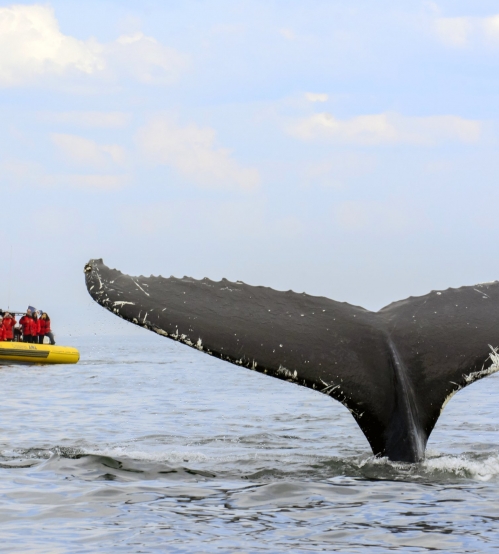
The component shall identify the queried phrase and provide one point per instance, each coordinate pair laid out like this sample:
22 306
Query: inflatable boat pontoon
22 352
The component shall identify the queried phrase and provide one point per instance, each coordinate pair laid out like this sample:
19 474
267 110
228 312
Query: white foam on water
172 456
482 469
467 466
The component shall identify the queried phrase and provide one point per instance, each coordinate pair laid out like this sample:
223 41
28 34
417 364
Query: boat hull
26 353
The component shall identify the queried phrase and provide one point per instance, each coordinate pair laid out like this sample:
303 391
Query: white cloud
491 27
453 31
386 128
193 152
461 32
104 120
316 97
145 59
32 45
87 152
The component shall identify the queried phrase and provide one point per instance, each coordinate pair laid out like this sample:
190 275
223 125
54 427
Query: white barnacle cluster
329 388
287 373
159 331
180 337
449 396
186 340
475 375
494 366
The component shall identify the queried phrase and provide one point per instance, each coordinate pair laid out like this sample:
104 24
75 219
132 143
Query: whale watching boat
17 351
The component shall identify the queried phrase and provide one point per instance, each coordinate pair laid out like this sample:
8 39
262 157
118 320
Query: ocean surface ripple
148 446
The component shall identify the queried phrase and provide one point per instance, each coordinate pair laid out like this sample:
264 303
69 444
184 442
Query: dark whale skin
394 369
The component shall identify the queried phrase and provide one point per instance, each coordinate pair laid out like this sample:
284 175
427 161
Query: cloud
87 152
461 32
316 97
386 128
145 59
491 27
32 46
453 31
192 151
104 120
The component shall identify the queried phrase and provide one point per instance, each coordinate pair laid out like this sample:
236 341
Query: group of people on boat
33 327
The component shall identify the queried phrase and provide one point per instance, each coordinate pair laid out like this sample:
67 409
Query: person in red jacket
8 324
26 323
2 330
36 327
45 328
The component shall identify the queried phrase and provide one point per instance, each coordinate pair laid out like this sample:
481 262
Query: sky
345 149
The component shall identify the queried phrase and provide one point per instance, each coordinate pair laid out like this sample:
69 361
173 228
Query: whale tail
395 369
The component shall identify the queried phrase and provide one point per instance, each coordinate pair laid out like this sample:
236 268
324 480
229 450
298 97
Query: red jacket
2 333
36 327
8 325
27 324
44 326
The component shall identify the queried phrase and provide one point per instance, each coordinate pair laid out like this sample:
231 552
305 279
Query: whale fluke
394 369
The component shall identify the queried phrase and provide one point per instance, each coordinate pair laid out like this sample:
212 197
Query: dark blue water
149 446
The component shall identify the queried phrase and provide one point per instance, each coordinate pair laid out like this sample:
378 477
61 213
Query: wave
258 466
472 466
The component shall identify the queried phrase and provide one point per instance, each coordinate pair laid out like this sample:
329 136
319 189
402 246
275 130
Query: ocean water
149 446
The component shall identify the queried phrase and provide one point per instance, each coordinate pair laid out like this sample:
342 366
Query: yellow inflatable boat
37 353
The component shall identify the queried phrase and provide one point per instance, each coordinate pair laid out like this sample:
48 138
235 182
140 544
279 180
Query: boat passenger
2 330
36 327
45 328
26 322
8 324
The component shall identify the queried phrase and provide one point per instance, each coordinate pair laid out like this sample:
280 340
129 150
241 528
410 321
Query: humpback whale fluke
395 369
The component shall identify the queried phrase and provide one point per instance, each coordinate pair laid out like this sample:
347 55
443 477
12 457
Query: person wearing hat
8 324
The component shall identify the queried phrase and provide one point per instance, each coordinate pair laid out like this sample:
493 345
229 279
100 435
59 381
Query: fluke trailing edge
395 370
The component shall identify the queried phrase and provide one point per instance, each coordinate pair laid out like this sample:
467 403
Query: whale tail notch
395 369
